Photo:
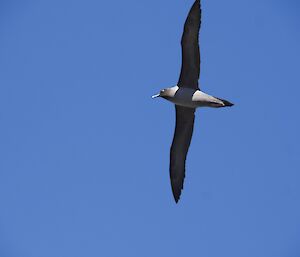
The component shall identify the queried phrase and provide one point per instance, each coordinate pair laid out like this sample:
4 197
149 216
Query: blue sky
85 150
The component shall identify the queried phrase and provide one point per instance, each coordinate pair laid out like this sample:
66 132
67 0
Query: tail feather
227 103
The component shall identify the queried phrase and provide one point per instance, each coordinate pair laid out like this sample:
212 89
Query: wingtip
176 194
176 199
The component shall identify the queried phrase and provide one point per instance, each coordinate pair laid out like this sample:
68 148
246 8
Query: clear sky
85 150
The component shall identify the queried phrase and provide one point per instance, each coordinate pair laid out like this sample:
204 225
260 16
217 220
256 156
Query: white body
188 97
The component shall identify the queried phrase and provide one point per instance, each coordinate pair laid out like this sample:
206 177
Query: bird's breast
192 98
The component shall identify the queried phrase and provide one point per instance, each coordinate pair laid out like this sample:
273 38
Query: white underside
189 98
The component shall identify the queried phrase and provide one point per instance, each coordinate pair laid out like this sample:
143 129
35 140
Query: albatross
187 96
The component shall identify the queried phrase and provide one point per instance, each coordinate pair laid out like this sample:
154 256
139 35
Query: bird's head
166 92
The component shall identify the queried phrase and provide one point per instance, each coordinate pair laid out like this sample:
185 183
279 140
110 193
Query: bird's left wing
180 146
190 67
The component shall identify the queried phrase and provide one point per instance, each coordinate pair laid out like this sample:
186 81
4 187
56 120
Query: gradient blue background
85 150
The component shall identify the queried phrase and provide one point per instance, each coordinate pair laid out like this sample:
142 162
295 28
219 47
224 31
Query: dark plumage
187 96
182 138
189 76
190 67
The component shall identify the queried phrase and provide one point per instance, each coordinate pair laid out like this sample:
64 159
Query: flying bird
187 96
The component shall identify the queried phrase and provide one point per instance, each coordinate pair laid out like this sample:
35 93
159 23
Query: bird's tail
226 103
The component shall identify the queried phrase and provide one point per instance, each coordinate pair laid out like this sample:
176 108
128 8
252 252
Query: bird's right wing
180 146
190 67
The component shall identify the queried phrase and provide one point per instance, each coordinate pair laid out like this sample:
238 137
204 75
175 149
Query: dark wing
180 146
190 67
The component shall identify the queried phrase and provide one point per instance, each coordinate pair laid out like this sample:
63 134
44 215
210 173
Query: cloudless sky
85 150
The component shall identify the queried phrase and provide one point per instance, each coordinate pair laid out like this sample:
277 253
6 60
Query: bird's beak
154 96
